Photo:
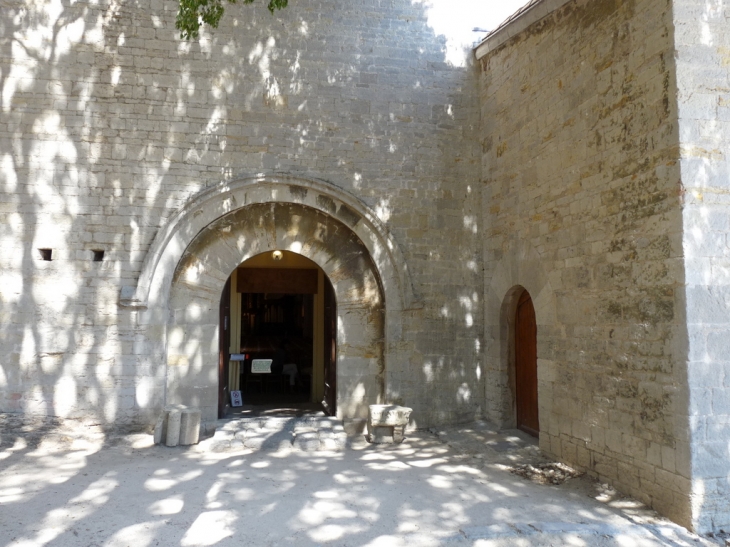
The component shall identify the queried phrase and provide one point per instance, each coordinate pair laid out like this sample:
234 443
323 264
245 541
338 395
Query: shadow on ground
73 484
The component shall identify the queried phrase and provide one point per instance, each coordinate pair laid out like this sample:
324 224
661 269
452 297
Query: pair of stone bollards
387 423
178 426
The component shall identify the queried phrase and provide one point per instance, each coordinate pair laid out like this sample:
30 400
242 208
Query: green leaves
277 4
193 13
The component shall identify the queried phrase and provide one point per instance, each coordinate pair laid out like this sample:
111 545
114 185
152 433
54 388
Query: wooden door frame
224 342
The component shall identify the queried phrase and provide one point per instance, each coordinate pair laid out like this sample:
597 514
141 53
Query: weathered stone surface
179 425
602 190
160 432
702 75
113 137
174 418
273 434
581 207
387 423
189 426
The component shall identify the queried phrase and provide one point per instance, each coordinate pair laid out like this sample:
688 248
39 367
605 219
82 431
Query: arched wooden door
526 366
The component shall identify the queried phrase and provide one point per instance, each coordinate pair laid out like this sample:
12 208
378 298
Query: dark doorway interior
278 327
526 366
276 320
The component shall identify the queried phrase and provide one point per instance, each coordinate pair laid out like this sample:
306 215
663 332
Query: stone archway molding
167 249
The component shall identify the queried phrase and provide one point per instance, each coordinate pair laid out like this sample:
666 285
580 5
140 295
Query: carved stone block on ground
387 423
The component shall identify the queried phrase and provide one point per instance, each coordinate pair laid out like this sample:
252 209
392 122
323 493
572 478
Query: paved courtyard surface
271 482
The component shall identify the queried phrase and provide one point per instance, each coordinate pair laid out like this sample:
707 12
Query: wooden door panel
526 366
329 401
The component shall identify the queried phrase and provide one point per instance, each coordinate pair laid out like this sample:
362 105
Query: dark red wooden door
330 349
224 343
526 366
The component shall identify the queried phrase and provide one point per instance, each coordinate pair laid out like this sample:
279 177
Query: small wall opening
97 255
46 254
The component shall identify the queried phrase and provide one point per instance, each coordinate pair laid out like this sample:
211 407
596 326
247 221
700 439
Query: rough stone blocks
178 426
387 423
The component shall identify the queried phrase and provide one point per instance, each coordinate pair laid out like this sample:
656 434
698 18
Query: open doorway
278 338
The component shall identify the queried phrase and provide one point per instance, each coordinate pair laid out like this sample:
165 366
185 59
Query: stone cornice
530 14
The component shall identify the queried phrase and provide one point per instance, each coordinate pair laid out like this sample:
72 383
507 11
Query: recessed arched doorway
526 398
221 247
176 297
278 310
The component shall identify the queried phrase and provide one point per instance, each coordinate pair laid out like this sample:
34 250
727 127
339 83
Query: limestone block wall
581 199
109 124
702 42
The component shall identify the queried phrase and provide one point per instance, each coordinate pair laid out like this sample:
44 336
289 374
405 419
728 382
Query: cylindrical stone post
160 434
173 428
189 426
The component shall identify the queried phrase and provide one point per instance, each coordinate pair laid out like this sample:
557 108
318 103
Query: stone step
307 433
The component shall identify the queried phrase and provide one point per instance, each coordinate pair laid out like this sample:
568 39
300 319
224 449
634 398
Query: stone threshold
274 433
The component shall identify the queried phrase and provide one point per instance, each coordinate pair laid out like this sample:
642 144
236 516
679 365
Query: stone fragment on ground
546 473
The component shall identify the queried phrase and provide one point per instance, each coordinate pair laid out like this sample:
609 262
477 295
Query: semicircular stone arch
216 251
154 282
171 343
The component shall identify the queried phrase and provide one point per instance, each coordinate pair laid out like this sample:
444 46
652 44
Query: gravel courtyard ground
65 483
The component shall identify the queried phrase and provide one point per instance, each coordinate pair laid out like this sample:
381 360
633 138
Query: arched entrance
520 269
177 293
526 366
278 311
222 246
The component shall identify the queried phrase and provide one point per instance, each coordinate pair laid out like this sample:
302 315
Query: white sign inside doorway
236 399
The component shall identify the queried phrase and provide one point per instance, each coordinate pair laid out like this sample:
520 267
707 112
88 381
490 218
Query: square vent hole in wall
46 254
97 255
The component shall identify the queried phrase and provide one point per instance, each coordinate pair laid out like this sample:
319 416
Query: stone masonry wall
581 195
109 124
702 41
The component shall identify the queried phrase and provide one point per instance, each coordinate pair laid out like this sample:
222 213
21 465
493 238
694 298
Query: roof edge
517 23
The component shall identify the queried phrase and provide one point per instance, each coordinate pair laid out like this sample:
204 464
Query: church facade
560 198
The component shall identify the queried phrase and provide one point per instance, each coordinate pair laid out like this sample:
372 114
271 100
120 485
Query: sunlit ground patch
139 535
333 532
167 506
210 528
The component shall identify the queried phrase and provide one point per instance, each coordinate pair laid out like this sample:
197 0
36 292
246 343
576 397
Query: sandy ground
69 484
